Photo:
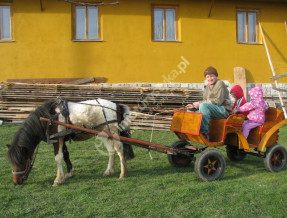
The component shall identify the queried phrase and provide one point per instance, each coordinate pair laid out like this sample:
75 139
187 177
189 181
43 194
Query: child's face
233 95
211 79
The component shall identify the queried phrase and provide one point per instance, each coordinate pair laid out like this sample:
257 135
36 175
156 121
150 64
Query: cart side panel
186 122
219 128
273 114
216 129
254 136
193 138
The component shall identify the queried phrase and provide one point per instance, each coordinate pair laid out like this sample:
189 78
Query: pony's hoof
122 176
109 172
55 184
70 174
58 181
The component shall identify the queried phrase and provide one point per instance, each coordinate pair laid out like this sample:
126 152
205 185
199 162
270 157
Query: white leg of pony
119 148
59 160
111 164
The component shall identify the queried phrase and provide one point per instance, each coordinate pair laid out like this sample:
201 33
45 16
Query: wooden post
272 69
240 79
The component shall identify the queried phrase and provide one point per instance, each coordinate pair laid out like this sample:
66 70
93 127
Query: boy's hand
189 106
192 105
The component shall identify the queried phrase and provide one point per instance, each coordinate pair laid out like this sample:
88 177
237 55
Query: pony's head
26 139
21 163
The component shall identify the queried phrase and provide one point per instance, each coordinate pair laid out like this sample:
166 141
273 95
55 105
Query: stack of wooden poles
151 107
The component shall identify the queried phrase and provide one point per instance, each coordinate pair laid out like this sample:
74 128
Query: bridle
24 172
28 168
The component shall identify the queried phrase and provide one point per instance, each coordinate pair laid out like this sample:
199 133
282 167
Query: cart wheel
179 160
210 165
234 154
275 159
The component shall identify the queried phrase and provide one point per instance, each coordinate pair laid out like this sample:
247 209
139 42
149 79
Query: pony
98 114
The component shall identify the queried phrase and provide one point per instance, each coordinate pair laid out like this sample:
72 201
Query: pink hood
256 93
257 106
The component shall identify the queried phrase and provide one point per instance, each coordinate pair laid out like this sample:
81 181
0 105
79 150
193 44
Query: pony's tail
124 129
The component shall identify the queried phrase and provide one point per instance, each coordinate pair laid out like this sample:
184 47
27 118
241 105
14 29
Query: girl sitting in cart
237 93
256 107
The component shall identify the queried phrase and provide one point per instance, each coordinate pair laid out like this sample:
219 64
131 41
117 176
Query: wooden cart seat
218 128
272 117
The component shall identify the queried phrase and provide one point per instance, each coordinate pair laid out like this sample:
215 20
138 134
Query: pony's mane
30 134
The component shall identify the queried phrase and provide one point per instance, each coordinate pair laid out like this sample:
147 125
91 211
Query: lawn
152 188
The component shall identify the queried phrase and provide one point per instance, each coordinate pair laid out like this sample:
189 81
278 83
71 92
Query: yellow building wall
43 46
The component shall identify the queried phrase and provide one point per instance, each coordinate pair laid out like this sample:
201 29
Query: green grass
152 188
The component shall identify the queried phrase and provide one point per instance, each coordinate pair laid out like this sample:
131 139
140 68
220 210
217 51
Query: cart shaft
133 141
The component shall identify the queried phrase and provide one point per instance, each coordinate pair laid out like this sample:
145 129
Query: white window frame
5 34
164 32
246 34
89 27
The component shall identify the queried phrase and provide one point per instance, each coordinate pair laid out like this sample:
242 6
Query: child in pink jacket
257 107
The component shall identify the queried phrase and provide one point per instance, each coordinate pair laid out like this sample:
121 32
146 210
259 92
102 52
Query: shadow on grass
245 168
159 167
241 169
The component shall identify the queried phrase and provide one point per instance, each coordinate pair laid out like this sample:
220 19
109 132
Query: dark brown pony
102 114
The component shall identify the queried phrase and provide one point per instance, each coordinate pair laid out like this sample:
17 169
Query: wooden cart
210 163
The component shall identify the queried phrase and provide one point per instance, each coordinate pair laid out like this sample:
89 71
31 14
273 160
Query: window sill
3 41
176 41
249 43
88 40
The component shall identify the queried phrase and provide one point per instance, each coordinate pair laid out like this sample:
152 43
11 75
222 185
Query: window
247 27
86 23
5 23
165 24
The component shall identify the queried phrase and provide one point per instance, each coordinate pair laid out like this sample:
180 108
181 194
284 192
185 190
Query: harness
106 122
62 105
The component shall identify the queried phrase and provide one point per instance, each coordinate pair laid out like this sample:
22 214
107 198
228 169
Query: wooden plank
280 90
17 100
278 76
75 81
240 78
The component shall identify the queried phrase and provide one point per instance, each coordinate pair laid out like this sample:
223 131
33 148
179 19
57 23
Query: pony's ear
8 145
